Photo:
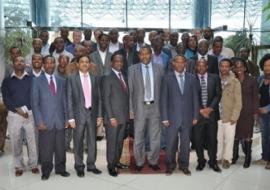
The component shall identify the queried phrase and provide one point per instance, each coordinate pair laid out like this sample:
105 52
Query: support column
202 13
265 25
2 47
40 12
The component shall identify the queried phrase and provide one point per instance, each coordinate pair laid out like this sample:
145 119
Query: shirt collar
48 76
82 74
149 65
116 72
200 56
177 73
13 74
204 75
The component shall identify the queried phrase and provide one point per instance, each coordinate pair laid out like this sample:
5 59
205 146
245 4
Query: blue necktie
182 82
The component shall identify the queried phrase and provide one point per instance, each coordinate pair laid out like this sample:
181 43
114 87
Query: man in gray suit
102 60
144 81
115 101
102 57
49 108
179 107
84 113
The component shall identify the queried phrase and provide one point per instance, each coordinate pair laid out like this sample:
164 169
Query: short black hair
146 47
226 60
115 54
218 39
48 57
265 58
239 60
103 34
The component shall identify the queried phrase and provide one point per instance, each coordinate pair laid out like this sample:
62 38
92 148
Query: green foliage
237 41
18 37
266 8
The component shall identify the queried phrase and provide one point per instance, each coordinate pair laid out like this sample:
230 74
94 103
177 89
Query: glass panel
181 13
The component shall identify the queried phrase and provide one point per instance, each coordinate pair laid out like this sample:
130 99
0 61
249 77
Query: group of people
176 93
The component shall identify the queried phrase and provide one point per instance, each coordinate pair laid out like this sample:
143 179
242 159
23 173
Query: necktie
203 91
147 83
182 83
122 81
87 91
52 86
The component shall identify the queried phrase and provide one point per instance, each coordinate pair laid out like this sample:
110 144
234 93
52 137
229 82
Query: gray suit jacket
100 68
115 99
177 108
75 99
49 109
136 89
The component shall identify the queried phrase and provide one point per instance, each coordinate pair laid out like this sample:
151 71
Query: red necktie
52 86
122 82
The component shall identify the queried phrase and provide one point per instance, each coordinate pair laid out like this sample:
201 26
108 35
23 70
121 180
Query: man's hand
194 121
72 124
114 122
263 110
22 113
232 122
166 123
42 127
99 121
206 112
131 115
67 126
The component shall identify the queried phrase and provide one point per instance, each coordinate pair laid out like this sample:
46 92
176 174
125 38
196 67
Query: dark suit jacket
100 68
115 99
135 59
212 64
213 94
179 109
49 109
76 102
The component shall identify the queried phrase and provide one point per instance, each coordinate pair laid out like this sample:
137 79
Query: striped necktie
204 91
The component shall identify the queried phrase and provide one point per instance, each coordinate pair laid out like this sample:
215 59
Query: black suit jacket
124 54
115 99
213 94
212 64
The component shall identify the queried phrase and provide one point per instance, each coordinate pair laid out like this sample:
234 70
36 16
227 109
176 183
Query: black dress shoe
200 167
138 168
99 138
63 174
80 173
121 166
215 168
185 171
44 177
154 167
95 171
113 172
169 171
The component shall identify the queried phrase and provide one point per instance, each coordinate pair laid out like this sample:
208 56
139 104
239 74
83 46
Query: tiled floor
235 178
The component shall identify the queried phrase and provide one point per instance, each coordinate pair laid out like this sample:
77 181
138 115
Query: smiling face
49 65
18 64
117 62
84 64
179 64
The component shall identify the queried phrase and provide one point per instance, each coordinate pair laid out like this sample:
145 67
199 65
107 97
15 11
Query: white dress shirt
102 55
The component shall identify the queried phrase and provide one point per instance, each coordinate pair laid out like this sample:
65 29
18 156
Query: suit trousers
264 120
78 138
115 139
206 129
226 133
16 125
52 143
173 136
152 123
68 138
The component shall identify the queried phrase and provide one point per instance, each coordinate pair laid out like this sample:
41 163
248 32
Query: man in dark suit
212 61
84 113
49 108
129 53
179 107
115 101
206 128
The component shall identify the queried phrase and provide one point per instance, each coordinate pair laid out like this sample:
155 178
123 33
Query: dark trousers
68 137
264 120
3 125
172 135
52 142
115 139
78 137
206 130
